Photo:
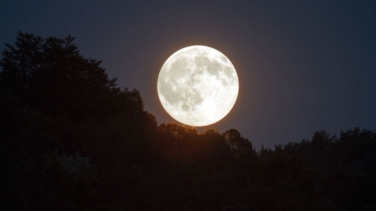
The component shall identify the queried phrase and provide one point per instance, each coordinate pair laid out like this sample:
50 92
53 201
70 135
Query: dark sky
303 65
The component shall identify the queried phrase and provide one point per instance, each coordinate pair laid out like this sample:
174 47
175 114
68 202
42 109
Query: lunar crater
198 85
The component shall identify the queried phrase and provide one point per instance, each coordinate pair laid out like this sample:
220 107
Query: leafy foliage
70 139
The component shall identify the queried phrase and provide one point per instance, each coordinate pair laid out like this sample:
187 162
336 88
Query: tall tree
50 75
48 81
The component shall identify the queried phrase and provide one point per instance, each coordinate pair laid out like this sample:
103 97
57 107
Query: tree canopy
70 139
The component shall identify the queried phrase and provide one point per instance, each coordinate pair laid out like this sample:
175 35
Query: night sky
303 65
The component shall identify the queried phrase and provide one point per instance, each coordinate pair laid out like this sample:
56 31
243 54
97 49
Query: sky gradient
302 65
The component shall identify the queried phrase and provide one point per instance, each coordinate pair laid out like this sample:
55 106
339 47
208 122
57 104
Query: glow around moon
198 85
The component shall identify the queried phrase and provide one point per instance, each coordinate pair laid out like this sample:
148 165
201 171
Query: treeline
70 139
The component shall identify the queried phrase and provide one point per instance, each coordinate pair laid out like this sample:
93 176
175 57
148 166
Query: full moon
198 85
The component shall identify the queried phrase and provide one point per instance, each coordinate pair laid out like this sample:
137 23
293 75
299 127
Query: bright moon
198 85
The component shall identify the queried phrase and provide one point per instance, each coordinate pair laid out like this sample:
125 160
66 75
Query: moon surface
198 85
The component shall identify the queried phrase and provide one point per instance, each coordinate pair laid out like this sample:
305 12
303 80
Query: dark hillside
70 139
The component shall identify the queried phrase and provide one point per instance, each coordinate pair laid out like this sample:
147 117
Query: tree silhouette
238 143
50 75
72 140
